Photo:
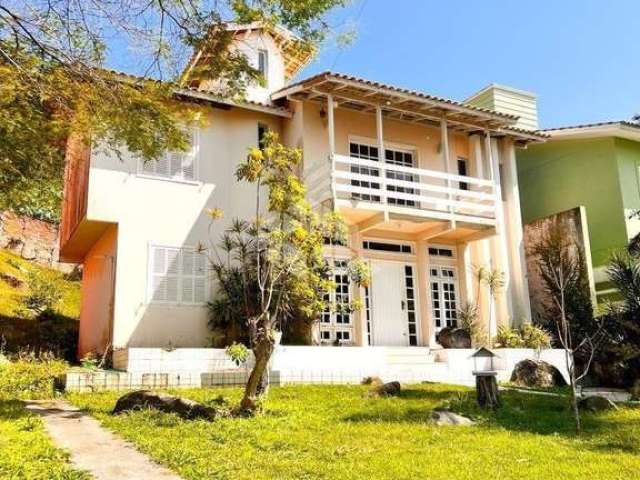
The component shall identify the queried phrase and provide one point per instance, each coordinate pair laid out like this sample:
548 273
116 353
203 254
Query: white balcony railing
416 191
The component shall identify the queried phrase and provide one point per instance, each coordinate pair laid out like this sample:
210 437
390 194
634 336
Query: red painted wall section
76 185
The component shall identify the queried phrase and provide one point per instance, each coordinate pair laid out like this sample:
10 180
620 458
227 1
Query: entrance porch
416 289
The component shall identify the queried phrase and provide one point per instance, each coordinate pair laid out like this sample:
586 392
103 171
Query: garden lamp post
485 372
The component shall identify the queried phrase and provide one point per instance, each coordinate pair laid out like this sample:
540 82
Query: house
594 167
428 187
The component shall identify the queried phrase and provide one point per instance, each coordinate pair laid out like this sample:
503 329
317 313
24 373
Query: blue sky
582 57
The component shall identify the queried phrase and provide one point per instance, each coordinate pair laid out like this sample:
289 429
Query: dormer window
263 64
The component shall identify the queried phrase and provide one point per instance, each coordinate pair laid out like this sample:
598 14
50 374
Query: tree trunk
255 387
571 368
574 401
487 391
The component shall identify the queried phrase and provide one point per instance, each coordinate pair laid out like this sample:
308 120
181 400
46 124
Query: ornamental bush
29 378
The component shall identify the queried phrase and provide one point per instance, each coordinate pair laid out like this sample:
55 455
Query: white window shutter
200 278
187 276
158 271
200 290
178 275
162 166
175 164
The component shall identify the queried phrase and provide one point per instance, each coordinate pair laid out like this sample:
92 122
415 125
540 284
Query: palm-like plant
494 280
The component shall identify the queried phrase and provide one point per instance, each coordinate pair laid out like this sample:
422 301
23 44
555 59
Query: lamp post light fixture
484 370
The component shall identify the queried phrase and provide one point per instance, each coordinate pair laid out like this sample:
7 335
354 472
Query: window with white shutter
175 165
177 275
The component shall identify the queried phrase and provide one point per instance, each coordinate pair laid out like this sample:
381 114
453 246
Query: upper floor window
176 165
386 247
262 130
177 276
263 64
441 251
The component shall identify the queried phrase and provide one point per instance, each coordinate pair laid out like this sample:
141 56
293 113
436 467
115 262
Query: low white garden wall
196 367
460 363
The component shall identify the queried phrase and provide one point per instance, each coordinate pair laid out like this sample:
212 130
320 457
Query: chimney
509 100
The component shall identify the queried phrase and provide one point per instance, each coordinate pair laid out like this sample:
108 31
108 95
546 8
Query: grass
11 297
330 432
17 330
25 449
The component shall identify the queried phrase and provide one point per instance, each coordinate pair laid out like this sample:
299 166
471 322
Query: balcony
361 186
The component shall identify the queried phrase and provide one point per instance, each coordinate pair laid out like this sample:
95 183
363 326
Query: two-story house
428 187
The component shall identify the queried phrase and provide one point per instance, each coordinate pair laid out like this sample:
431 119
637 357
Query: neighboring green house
595 166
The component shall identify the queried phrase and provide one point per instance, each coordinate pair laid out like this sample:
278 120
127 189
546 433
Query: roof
210 96
402 104
618 128
295 52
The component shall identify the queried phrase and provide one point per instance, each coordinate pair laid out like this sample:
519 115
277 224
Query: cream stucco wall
170 213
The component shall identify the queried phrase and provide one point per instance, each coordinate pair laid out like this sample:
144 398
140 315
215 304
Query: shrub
238 353
29 378
468 318
509 338
535 337
528 336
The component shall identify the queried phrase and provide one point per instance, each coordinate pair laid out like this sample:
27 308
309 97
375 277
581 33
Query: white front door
393 304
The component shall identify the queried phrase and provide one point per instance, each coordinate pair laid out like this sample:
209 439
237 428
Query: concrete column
424 296
359 317
514 235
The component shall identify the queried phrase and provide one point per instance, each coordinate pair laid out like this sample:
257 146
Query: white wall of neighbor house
171 213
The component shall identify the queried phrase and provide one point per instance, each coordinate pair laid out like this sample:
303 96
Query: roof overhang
396 103
212 98
217 100
296 53
622 129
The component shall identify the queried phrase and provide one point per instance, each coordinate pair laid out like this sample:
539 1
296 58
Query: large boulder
537 374
447 417
596 403
454 338
390 389
144 399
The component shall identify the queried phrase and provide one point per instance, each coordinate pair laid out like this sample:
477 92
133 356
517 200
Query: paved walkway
92 447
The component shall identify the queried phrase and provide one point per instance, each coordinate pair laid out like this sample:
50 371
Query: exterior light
485 372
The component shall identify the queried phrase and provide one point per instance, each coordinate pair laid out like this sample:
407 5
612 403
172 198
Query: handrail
481 202
411 170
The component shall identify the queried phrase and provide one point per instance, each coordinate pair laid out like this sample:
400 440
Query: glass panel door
444 297
403 158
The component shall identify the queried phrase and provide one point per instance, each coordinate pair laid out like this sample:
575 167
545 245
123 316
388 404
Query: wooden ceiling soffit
407 111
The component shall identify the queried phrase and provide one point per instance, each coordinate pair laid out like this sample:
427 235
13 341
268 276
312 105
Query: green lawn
333 432
26 452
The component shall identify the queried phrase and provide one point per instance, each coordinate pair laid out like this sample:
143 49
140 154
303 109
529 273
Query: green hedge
28 378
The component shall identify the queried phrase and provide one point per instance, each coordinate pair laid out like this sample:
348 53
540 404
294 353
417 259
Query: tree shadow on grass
520 412
12 410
